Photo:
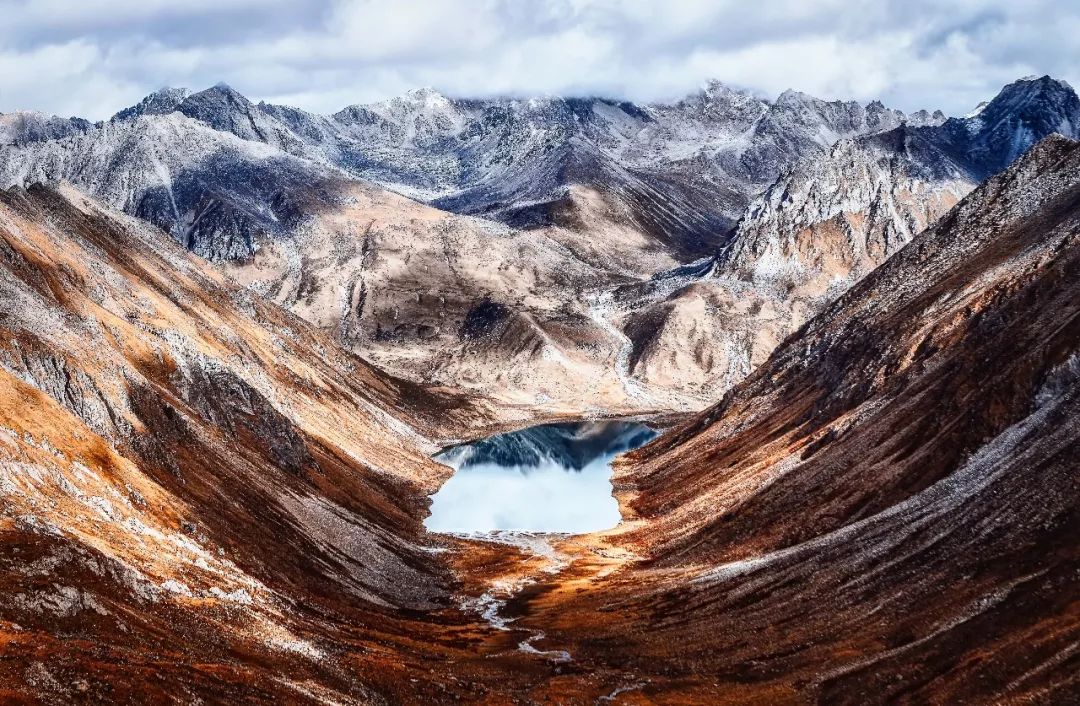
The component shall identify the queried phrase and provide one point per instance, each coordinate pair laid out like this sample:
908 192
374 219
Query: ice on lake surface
549 478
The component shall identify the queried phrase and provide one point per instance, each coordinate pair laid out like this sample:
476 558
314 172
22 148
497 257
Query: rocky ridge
601 195
827 223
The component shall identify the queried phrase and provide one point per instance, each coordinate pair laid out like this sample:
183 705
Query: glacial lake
548 478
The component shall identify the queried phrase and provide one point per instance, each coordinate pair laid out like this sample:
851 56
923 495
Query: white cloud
94 57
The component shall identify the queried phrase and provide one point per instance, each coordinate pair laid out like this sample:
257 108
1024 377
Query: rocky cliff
825 224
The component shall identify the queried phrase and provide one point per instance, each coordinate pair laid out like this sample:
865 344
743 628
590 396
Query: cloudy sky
92 57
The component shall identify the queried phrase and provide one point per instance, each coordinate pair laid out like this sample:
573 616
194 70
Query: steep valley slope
886 510
197 489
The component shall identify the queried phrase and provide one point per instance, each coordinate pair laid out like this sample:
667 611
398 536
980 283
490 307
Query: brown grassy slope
888 510
197 489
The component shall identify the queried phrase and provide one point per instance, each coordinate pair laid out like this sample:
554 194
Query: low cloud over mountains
325 54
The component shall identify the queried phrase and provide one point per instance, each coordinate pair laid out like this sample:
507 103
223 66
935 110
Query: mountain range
573 203
684 172
235 334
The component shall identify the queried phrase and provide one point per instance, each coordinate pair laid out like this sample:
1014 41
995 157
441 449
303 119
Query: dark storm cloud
95 56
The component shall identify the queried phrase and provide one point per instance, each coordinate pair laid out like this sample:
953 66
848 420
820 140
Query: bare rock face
443 298
829 221
703 338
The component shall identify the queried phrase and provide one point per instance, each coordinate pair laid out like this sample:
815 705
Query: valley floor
516 582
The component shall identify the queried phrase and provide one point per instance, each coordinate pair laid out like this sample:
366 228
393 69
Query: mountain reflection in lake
549 478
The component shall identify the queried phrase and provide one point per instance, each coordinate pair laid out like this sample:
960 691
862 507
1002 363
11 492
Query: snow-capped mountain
678 173
829 221
1022 114
682 172
30 126
821 227
160 102
214 192
597 193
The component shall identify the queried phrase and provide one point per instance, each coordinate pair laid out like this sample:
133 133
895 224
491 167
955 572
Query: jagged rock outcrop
828 222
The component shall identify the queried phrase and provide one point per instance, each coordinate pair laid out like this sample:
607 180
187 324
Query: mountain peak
226 109
425 93
221 91
1032 89
790 95
160 102
1021 114
716 87
978 109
